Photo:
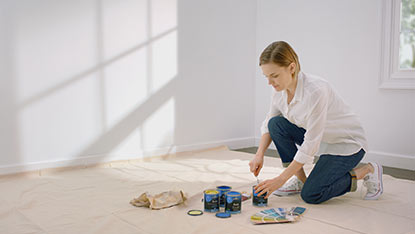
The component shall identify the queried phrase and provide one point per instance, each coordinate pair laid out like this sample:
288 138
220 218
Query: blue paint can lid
223 215
224 187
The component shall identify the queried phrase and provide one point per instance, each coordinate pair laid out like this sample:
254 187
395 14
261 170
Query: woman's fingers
261 188
268 194
258 169
251 167
255 169
258 186
256 172
263 191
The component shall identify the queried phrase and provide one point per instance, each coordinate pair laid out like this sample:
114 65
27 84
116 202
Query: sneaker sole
376 195
281 194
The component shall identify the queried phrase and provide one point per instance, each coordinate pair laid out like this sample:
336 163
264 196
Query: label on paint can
211 200
233 202
258 200
222 191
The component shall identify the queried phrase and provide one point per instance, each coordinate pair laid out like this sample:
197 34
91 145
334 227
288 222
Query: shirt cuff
303 158
264 129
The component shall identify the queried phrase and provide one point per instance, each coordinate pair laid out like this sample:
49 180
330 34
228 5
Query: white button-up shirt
331 126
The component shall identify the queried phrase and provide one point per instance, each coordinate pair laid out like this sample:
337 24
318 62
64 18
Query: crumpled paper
159 201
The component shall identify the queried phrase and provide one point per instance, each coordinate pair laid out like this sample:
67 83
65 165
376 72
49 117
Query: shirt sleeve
315 126
273 111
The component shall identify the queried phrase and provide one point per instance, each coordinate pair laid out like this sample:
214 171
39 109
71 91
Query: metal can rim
236 194
211 191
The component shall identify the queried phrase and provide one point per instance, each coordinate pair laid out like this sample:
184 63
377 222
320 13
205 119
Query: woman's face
280 78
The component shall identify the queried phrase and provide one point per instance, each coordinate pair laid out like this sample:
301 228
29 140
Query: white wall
97 80
340 41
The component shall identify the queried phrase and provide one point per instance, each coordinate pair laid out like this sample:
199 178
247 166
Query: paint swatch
277 215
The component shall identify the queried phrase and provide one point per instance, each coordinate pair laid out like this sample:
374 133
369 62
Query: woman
307 118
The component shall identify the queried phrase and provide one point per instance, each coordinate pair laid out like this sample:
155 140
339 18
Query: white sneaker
292 186
373 182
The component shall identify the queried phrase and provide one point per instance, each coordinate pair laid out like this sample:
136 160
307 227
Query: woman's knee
310 197
275 122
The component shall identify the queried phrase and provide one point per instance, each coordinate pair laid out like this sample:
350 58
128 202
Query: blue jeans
332 175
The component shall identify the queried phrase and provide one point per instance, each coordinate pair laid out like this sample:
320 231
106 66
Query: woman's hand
256 164
269 186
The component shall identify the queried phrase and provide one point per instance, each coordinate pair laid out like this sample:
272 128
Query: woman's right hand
256 163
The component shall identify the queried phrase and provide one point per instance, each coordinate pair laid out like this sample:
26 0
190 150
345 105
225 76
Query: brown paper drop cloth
96 199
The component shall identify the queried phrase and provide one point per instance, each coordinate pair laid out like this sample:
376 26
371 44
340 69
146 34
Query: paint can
233 202
258 200
211 200
222 190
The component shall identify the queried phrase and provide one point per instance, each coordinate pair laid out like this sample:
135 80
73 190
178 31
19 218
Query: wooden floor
395 172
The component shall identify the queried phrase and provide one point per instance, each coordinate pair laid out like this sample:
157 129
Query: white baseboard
386 159
271 146
391 160
93 159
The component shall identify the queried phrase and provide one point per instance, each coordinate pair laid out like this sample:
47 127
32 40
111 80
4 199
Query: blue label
208 198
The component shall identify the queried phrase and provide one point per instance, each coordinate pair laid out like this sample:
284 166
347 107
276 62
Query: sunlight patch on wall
55 41
61 125
158 129
163 16
164 60
124 25
125 86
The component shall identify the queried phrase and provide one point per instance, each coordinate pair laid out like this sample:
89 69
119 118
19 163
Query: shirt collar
299 90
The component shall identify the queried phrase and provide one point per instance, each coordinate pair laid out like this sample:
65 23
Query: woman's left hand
269 186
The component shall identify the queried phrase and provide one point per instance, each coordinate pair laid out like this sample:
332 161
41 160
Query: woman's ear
292 67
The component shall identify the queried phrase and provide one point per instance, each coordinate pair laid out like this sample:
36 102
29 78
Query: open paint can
211 200
233 202
258 200
222 190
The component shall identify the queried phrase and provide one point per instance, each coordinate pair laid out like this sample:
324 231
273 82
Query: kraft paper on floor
96 199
